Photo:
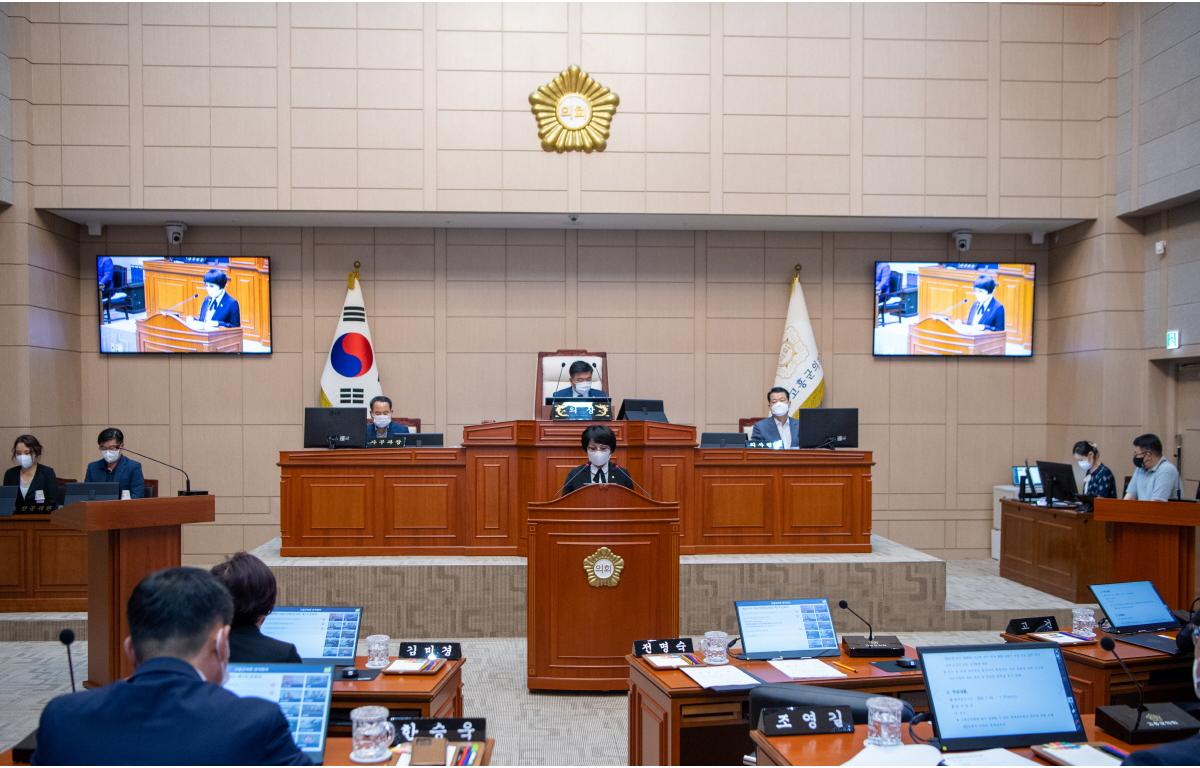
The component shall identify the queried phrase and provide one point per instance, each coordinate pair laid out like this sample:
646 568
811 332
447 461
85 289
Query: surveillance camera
175 232
574 217
962 241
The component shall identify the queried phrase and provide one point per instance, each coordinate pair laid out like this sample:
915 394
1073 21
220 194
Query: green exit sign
1173 339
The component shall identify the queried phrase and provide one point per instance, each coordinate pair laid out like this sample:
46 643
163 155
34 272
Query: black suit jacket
248 645
1185 752
44 480
581 476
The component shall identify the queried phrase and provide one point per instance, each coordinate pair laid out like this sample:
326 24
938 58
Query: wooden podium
1155 541
936 336
126 541
167 332
603 571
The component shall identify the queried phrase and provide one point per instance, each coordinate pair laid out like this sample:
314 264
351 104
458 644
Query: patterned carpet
530 729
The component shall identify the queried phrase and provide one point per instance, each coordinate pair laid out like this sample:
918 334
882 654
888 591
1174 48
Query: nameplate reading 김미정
1027 624
670 645
451 728
412 649
800 720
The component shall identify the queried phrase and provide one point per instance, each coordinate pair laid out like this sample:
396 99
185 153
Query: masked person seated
1154 478
581 382
172 710
112 467
382 426
600 444
779 427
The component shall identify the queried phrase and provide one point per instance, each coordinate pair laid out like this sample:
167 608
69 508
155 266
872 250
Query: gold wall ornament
603 568
574 112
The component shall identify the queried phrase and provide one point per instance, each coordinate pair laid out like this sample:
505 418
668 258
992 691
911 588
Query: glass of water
716 647
1083 622
372 734
377 651
883 721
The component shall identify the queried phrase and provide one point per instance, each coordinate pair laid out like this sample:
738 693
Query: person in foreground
1183 752
36 482
172 710
600 444
1155 478
581 382
1098 479
112 467
252 586
778 427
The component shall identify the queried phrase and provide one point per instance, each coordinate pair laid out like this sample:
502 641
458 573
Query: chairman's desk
436 695
43 567
472 500
673 721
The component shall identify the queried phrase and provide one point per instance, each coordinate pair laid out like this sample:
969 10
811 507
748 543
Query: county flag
799 370
351 376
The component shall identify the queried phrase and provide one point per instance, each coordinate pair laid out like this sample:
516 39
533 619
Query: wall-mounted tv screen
953 308
184 304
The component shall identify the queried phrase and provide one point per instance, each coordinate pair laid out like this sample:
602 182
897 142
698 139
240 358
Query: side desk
673 721
437 695
43 566
1097 678
1055 550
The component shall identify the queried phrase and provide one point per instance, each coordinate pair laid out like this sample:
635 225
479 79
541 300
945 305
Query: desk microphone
1163 722
175 306
952 307
857 645
66 637
561 369
187 480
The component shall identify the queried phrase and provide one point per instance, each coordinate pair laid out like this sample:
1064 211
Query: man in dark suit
113 467
172 710
600 444
986 311
581 382
219 307
779 426
1185 752
252 586
382 426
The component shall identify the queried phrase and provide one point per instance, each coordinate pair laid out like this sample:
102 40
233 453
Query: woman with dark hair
600 444
252 585
36 482
986 312
1098 479
219 307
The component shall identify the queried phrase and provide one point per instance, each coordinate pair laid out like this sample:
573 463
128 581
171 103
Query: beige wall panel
243 127
755 55
956 21
1031 22
894 20
903 98
90 84
390 129
894 58
389 49
323 88
94 43
755 95
916 453
173 46
674 54
175 126
893 136
95 165
534 17
1031 61
818 96
324 15
810 57
243 87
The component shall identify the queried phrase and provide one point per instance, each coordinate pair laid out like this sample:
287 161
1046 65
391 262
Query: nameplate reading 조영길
800 720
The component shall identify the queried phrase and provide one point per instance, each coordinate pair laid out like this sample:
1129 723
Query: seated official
219 307
1185 752
986 312
1098 479
581 382
1154 478
381 425
172 710
36 483
252 586
600 443
112 467
778 426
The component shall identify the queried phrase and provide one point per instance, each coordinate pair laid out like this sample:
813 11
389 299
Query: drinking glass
883 721
1083 622
716 647
372 734
377 651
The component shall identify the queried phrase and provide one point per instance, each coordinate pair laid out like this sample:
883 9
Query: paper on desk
717 677
904 754
799 669
406 755
987 757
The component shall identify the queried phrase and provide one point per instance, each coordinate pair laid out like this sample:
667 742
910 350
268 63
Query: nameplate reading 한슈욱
411 649
669 645
799 720
450 728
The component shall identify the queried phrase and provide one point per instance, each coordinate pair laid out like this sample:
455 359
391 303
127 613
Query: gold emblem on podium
603 568
574 112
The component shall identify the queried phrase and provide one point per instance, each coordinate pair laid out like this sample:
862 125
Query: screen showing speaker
953 308
184 304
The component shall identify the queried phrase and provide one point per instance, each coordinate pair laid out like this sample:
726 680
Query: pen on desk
844 667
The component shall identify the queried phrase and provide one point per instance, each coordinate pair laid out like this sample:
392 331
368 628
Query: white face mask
213 290
382 421
583 387
599 458
1085 465
25 460
111 456
780 409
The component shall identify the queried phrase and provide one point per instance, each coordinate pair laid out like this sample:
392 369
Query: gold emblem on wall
574 112
603 568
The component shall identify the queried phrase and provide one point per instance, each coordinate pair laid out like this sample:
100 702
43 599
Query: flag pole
353 275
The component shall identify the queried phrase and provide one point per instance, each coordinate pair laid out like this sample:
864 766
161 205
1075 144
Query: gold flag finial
798 268
353 275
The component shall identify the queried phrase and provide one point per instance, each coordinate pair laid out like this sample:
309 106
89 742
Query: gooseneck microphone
857 645
187 480
952 307
1107 644
1147 723
181 303
846 607
66 637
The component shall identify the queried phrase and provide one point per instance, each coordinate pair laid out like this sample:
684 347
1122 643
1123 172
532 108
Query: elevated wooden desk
1097 679
1060 551
1154 540
43 566
935 336
673 721
837 748
437 695
338 748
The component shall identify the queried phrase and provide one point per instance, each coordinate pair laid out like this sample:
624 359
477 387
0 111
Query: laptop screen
1134 606
302 692
790 629
1004 695
321 634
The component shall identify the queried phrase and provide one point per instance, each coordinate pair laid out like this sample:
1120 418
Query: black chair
791 694
891 300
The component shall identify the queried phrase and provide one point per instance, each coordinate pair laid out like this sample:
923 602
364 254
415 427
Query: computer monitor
322 634
1035 476
1001 695
829 428
302 691
723 439
1134 606
76 492
1058 481
335 427
633 409
786 629
8 500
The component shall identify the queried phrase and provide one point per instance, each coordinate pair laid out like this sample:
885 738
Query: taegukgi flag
799 370
351 376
